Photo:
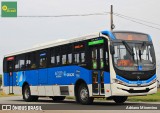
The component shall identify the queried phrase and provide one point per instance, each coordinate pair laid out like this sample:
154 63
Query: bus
107 64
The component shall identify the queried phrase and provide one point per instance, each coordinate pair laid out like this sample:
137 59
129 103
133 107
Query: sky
21 33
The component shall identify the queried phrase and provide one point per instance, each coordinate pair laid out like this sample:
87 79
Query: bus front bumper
122 90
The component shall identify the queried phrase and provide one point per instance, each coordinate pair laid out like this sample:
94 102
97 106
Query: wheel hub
84 94
26 93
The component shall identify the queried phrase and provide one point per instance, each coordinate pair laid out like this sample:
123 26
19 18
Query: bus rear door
10 65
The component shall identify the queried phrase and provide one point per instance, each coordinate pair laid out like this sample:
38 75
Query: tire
35 98
27 94
58 98
83 95
120 99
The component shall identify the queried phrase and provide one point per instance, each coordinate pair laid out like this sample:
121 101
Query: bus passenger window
64 58
20 62
101 58
82 57
43 60
52 59
94 58
16 65
31 61
69 58
76 56
28 63
58 60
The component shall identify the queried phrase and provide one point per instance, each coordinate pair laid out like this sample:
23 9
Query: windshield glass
132 56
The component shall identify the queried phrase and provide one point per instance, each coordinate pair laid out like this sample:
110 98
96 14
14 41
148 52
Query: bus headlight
155 80
118 82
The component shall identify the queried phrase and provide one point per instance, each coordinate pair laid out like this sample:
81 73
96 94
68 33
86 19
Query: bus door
10 65
97 65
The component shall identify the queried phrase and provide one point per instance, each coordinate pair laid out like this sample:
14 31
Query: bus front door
97 66
10 78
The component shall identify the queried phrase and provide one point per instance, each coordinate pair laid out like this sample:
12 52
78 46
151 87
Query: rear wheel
83 95
35 98
58 98
27 94
120 99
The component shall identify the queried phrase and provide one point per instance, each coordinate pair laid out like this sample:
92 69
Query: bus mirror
112 49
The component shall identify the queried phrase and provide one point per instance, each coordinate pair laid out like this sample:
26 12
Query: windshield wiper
130 51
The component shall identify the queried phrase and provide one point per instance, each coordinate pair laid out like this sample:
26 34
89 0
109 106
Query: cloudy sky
20 33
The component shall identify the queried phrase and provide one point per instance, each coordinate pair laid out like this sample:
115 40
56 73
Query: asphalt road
49 104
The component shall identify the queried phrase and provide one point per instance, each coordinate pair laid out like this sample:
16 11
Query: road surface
49 104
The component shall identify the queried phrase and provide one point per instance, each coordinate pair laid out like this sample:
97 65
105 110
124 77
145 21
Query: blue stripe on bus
136 82
108 33
65 75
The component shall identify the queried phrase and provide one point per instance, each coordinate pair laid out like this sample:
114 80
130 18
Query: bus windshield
134 56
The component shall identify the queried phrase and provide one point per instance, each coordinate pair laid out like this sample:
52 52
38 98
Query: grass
2 94
147 98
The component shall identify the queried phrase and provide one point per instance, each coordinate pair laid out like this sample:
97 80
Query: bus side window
76 58
53 58
58 59
43 60
31 61
20 62
70 58
64 59
16 66
82 57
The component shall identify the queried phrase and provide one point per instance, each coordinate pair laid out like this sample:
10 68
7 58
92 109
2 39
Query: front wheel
120 99
83 95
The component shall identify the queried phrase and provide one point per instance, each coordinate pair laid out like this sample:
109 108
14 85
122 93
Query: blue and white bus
107 64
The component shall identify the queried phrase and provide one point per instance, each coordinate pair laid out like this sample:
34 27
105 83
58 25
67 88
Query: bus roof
57 43
53 44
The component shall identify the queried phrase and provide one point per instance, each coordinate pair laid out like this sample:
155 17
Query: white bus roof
52 44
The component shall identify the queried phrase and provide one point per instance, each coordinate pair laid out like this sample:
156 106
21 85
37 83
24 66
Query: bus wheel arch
79 87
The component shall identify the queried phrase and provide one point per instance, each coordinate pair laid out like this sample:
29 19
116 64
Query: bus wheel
58 98
27 94
120 99
35 98
83 95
